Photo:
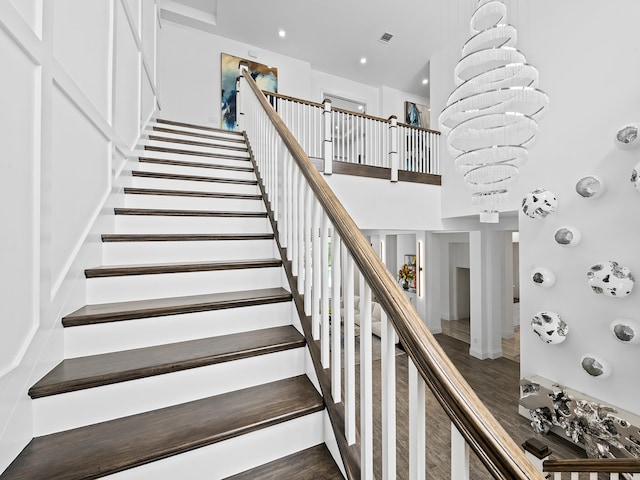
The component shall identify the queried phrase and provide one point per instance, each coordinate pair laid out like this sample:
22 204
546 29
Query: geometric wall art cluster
604 430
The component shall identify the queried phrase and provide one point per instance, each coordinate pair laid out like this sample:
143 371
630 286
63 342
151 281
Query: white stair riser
213 142
171 224
191 185
85 407
121 253
144 287
235 455
215 149
187 130
237 160
186 203
203 171
93 339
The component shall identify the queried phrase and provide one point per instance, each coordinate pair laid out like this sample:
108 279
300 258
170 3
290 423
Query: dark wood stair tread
315 463
160 212
198 127
182 237
80 373
108 447
191 193
179 151
181 267
196 143
199 135
160 307
192 178
186 163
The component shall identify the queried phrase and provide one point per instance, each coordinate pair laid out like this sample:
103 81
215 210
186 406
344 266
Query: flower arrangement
406 274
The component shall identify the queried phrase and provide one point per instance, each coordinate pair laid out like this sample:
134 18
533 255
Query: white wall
322 83
189 72
72 108
393 102
594 69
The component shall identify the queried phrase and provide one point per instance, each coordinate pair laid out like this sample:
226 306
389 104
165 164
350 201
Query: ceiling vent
386 37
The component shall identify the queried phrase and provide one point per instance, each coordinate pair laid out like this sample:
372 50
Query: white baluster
417 461
593 476
327 144
366 383
325 353
308 267
615 476
295 216
388 373
557 476
316 288
393 147
290 203
301 229
575 475
336 353
349 353
459 455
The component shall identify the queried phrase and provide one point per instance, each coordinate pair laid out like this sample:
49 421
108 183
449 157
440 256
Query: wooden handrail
349 112
597 465
487 438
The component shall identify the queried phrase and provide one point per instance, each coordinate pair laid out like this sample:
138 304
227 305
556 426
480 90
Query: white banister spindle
316 288
336 334
616 476
393 147
366 383
301 230
349 353
325 353
388 373
295 216
290 204
557 476
327 143
459 455
417 461
308 267
283 223
575 475
593 476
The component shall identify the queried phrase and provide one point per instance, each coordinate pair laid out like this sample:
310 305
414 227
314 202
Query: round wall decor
595 366
626 331
549 327
635 177
627 136
567 236
590 186
543 277
539 203
610 279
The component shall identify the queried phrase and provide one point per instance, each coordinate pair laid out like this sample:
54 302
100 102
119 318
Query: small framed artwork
416 115
411 261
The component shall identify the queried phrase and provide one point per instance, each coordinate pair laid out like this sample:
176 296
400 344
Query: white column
487 258
433 287
507 298
393 147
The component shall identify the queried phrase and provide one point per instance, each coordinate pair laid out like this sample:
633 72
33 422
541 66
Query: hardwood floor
497 384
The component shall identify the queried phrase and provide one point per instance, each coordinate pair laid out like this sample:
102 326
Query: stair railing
335 134
617 468
309 218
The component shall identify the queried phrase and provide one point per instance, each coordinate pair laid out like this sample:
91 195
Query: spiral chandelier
490 117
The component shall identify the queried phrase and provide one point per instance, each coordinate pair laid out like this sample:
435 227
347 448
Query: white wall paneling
63 60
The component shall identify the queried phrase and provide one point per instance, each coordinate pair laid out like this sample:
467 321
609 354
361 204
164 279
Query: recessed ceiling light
282 33
363 60
360 107
425 81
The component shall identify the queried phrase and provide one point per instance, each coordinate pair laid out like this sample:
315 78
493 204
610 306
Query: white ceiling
334 34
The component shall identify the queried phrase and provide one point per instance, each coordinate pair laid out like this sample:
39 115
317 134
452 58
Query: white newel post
393 147
239 110
327 143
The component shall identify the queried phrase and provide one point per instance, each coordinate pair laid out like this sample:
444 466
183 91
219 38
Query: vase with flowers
406 275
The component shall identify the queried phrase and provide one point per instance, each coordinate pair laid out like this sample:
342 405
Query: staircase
186 361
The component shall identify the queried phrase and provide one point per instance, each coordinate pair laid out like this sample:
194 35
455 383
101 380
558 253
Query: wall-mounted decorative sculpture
627 136
543 277
567 236
590 186
539 203
595 366
604 430
610 279
549 327
635 177
490 118
626 331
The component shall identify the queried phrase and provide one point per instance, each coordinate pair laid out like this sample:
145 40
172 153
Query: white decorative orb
635 177
610 279
626 331
539 203
567 236
595 366
627 136
543 277
549 327
590 186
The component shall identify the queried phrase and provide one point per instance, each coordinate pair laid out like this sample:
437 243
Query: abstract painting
416 115
266 78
